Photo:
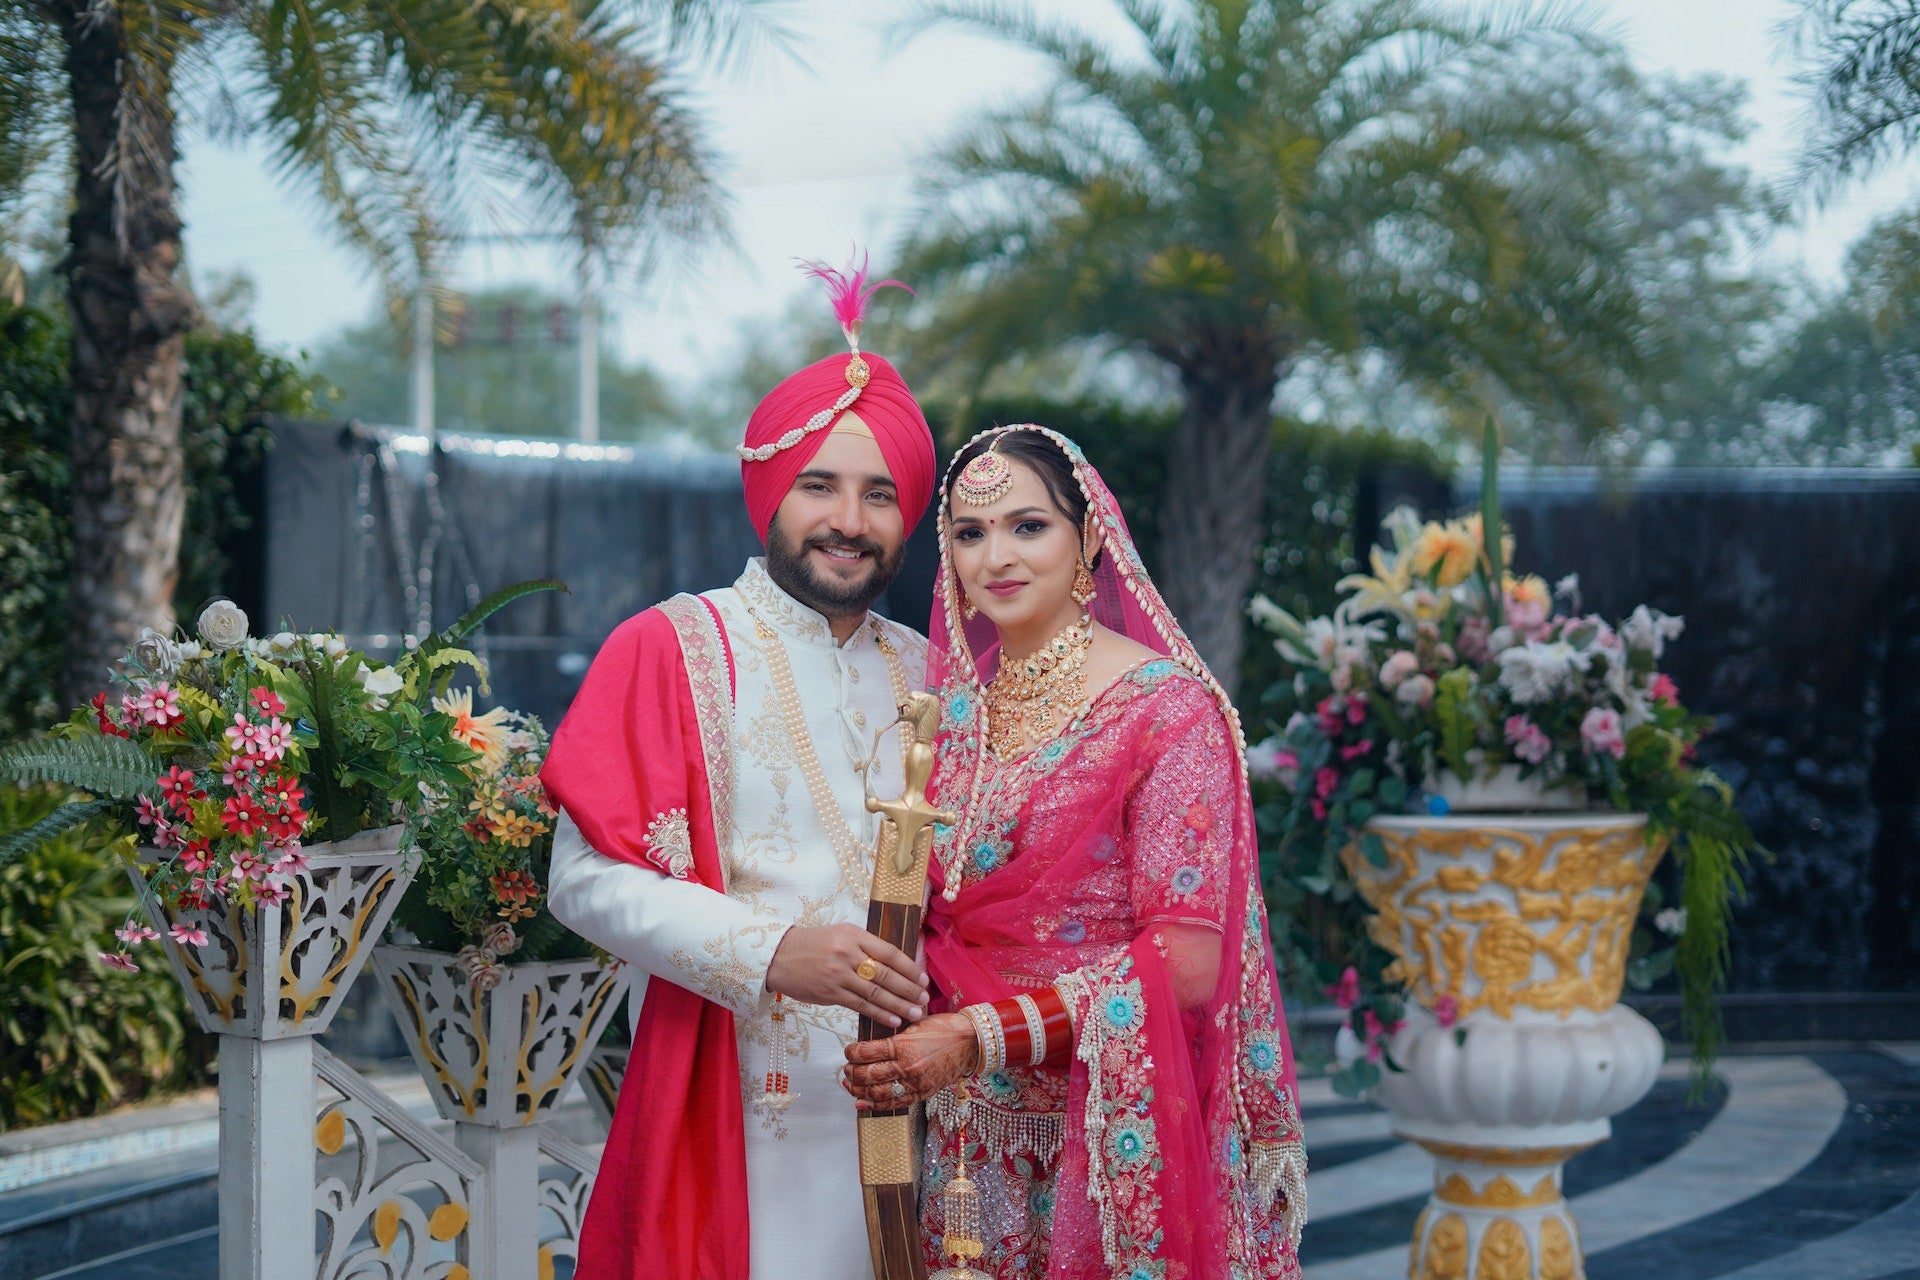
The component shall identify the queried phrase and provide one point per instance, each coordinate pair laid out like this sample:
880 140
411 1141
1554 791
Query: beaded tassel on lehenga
960 1236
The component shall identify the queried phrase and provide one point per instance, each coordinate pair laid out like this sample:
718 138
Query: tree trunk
129 321
1214 501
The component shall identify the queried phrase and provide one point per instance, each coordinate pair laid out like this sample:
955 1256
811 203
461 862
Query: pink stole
654 709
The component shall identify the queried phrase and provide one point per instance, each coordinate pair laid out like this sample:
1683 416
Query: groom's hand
821 965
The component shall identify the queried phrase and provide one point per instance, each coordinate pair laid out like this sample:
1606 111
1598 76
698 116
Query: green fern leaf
15 843
105 765
1456 725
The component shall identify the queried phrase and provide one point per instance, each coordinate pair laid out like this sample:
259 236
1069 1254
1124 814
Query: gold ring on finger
867 970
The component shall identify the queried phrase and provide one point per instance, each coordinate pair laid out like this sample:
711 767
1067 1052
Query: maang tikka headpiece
986 479
849 292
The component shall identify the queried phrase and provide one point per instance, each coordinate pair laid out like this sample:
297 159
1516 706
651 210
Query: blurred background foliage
76 1037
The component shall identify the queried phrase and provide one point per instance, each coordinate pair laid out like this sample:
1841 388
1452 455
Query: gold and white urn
1521 922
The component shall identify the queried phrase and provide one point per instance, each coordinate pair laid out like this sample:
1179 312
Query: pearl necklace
856 875
1031 697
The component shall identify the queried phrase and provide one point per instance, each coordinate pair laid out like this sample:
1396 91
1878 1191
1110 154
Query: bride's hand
923 1059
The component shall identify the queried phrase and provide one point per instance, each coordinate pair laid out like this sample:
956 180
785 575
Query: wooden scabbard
888 1152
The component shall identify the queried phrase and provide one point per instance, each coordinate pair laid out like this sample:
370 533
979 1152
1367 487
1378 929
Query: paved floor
1802 1165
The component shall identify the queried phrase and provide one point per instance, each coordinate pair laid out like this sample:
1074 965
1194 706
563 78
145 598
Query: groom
711 774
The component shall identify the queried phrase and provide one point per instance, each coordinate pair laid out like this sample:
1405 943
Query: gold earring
1083 589
967 611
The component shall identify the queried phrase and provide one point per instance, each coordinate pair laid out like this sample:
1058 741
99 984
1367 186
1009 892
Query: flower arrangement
1427 677
226 754
485 847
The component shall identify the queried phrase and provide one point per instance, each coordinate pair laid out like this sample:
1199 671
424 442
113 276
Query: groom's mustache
828 542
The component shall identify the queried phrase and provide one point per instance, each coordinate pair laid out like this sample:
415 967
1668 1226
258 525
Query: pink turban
884 404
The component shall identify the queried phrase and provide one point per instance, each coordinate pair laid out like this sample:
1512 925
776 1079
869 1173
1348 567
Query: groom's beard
788 567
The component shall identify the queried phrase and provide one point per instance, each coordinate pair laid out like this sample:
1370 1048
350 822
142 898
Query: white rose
156 652
1415 691
188 650
223 625
383 682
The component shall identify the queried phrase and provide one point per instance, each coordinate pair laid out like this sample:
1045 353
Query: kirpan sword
887 1150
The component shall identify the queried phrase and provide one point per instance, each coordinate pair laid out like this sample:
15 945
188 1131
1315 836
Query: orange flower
485 733
513 889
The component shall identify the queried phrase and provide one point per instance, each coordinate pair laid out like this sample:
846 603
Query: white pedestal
267 1100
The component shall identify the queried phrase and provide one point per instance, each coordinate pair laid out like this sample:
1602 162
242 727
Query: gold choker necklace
1032 697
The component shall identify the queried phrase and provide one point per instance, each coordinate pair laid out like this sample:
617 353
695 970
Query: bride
1111 1048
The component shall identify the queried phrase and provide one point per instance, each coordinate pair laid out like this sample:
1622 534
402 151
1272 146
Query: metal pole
423 355
588 418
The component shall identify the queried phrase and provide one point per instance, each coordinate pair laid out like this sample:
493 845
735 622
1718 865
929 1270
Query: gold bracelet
993 1042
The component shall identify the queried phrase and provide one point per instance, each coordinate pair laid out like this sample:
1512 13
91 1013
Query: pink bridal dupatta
1118 863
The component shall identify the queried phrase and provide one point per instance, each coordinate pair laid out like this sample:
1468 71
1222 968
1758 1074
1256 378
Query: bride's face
1017 557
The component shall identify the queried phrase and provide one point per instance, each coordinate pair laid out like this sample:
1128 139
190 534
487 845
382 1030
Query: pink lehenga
1117 863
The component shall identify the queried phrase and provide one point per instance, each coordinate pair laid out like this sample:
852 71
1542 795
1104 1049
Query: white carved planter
501 1057
268 981
273 972
1524 920
496 1063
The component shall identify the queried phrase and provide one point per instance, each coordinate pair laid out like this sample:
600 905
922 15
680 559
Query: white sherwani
782 869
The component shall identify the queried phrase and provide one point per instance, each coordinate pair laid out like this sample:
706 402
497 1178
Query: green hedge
232 386
76 1037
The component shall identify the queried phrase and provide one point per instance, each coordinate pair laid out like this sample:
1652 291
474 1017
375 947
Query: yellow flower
485 733
1529 590
1385 591
1447 550
517 829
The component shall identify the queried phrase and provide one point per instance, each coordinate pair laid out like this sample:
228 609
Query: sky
821 147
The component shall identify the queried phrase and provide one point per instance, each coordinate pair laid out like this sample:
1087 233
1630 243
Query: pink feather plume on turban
885 404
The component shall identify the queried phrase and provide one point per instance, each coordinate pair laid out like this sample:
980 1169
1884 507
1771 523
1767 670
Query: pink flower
188 937
164 835
1357 749
134 934
266 701
1446 1010
176 784
275 737
1319 810
1376 1035
244 815
1357 709
246 737
1528 617
196 855
159 706
237 773
1346 993
1330 714
292 859
286 827
270 893
1662 689
99 705
1325 780
250 865
119 960
1472 642
148 813
1529 740
1600 733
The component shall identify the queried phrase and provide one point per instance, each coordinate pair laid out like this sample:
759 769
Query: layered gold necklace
1032 698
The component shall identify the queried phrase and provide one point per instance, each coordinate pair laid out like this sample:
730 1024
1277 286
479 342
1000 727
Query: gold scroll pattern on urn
1567 895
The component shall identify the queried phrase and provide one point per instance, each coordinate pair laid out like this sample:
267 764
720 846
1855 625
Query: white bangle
1036 1030
993 1042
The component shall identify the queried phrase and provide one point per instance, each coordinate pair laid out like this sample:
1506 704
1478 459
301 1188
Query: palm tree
405 117
1266 182
1863 70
